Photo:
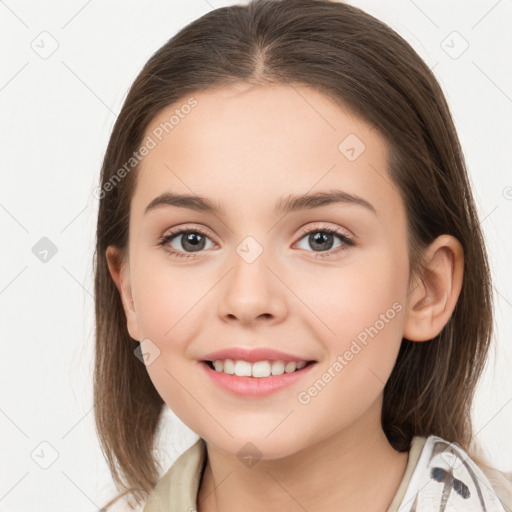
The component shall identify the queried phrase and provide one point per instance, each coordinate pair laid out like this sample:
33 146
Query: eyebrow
291 203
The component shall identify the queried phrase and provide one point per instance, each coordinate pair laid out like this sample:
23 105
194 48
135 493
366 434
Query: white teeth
261 369
290 367
242 369
229 366
277 368
219 365
258 369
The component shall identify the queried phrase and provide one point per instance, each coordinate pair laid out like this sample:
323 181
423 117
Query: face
326 281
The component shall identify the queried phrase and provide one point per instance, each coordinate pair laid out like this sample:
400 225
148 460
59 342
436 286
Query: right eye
187 240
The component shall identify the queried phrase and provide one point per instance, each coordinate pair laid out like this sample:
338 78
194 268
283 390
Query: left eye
324 239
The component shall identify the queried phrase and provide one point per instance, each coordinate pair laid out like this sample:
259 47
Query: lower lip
255 386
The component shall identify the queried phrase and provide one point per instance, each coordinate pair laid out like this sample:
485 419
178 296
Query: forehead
240 144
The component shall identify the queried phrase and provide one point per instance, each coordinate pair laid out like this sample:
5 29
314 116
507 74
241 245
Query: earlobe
119 270
433 297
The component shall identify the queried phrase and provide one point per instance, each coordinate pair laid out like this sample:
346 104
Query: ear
433 297
120 272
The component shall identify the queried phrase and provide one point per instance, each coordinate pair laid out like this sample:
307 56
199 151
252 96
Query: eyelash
348 242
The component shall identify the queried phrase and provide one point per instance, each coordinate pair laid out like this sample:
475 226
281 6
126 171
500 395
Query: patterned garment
445 479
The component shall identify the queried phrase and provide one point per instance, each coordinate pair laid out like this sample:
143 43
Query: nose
252 292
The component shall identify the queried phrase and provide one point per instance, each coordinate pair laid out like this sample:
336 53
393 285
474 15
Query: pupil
320 238
196 240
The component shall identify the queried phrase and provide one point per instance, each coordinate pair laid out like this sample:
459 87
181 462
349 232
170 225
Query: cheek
167 304
353 296
362 316
167 299
170 306
361 310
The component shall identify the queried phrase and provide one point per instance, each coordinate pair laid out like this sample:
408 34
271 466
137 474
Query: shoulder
122 503
500 481
176 489
445 474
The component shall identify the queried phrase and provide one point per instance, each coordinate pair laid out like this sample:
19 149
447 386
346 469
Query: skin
246 147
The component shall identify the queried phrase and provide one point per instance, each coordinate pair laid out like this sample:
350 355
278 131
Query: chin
251 448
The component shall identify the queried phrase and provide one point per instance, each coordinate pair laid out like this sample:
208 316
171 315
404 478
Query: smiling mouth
281 371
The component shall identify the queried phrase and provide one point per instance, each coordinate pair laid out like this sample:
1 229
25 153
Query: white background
57 114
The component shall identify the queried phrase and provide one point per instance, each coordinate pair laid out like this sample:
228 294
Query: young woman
289 257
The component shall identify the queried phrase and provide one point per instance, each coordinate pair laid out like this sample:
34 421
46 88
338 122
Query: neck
355 469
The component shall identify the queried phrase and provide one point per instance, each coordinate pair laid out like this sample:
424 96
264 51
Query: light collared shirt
439 477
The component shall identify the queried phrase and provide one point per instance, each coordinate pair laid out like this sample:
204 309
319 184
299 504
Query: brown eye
324 239
191 241
183 243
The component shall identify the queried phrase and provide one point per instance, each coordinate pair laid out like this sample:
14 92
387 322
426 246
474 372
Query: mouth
257 370
256 380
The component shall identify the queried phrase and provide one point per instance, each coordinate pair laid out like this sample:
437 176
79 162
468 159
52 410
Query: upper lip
252 355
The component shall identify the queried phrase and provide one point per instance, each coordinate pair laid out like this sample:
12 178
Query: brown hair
359 61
